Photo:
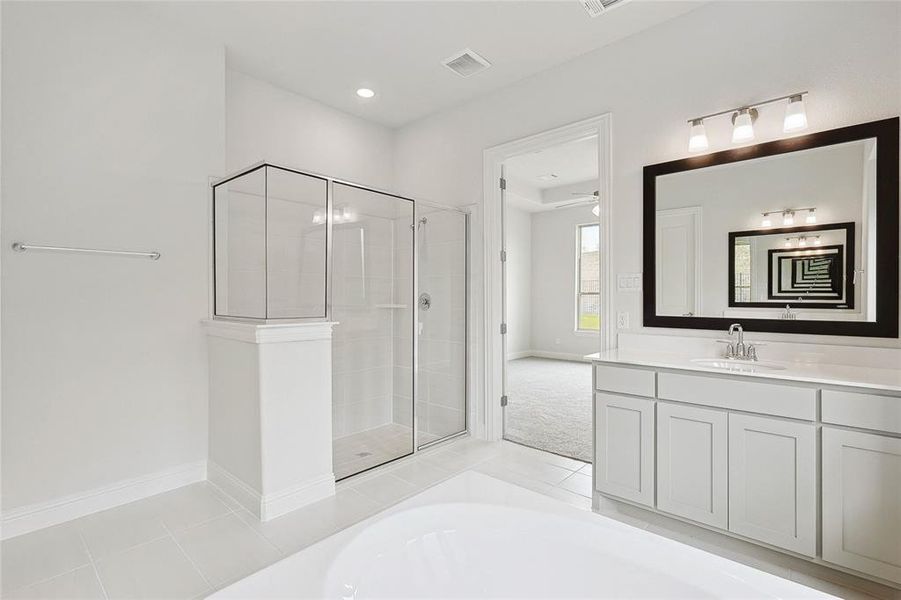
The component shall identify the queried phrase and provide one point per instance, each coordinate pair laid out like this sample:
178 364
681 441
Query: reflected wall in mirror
797 235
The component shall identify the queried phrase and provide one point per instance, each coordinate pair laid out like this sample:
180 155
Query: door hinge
503 183
503 401
503 256
503 328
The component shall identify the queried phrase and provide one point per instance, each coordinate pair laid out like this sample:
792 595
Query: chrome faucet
739 350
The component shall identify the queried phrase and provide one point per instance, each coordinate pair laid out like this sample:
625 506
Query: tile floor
357 452
191 541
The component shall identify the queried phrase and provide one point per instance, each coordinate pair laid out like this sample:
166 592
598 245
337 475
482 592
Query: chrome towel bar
20 247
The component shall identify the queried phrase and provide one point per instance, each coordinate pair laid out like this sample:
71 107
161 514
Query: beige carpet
549 406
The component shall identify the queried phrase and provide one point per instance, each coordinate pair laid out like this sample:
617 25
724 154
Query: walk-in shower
390 271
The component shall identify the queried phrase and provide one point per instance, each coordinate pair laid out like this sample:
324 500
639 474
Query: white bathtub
476 537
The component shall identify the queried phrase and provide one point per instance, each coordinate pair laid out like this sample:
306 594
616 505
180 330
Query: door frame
491 427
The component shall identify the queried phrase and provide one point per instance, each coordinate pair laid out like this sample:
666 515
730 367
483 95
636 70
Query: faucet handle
729 352
751 352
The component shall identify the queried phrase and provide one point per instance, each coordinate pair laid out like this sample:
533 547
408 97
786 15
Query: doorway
549 222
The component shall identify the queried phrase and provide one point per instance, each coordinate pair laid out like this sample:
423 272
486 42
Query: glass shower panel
372 283
441 374
271 244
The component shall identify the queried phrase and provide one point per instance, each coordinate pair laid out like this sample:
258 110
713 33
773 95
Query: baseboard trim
518 355
270 506
280 503
235 488
559 355
30 518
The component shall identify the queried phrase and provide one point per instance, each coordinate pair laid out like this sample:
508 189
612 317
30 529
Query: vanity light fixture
795 115
743 119
811 216
743 125
788 218
697 140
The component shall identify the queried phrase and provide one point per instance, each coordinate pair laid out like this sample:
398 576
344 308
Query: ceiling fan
593 200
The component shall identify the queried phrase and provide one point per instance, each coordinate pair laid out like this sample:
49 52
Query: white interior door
678 254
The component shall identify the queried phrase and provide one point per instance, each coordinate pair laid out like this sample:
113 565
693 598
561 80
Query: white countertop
824 373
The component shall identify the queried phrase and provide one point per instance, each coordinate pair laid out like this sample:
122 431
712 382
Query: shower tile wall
362 341
441 383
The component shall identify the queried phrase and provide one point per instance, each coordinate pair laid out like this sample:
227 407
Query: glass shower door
441 309
372 345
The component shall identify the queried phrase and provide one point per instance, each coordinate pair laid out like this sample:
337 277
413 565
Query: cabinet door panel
862 502
692 463
624 441
773 482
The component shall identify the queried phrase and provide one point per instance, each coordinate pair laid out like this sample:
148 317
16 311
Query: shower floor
360 451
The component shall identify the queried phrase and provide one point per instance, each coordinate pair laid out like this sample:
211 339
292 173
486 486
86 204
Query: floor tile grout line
87 549
184 553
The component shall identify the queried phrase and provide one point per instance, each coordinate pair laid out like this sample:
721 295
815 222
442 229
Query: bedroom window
588 297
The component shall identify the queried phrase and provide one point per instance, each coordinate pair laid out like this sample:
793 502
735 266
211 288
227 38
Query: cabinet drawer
867 411
750 396
624 380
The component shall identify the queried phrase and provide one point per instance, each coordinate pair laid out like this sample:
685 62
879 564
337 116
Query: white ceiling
575 165
326 50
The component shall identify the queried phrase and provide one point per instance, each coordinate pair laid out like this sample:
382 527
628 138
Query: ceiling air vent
466 63
596 7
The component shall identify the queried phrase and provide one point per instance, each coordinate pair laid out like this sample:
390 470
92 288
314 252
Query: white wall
265 122
847 54
554 283
112 124
519 282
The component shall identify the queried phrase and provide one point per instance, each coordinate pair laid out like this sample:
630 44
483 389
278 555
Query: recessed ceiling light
365 93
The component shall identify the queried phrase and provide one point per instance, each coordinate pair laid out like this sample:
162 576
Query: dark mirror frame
887 155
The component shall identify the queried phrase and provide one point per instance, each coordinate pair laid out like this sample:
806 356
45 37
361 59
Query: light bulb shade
788 218
788 243
742 127
795 115
811 217
802 242
766 221
697 137
816 241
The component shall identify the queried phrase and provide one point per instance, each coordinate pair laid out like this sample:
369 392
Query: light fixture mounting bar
748 106
785 210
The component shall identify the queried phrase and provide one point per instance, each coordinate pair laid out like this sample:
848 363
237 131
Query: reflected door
441 309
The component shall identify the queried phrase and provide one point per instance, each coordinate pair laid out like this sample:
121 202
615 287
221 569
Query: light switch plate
628 282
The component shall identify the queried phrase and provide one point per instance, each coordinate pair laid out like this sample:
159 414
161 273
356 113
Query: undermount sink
737 365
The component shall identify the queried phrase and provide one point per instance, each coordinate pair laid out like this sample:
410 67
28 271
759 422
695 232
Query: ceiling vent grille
466 63
595 7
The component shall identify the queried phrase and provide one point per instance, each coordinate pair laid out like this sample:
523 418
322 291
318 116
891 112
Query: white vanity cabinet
807 467
624 438
692 467
862 502
773 481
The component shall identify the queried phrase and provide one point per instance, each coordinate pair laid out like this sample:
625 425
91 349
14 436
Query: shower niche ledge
270 423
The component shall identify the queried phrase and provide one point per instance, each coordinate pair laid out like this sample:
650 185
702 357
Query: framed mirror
792 236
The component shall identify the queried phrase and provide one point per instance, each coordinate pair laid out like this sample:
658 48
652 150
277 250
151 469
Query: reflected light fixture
788 242
365 93
743 125
811 216
766 221
795 115
802 242
697 140
816 241
788 218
